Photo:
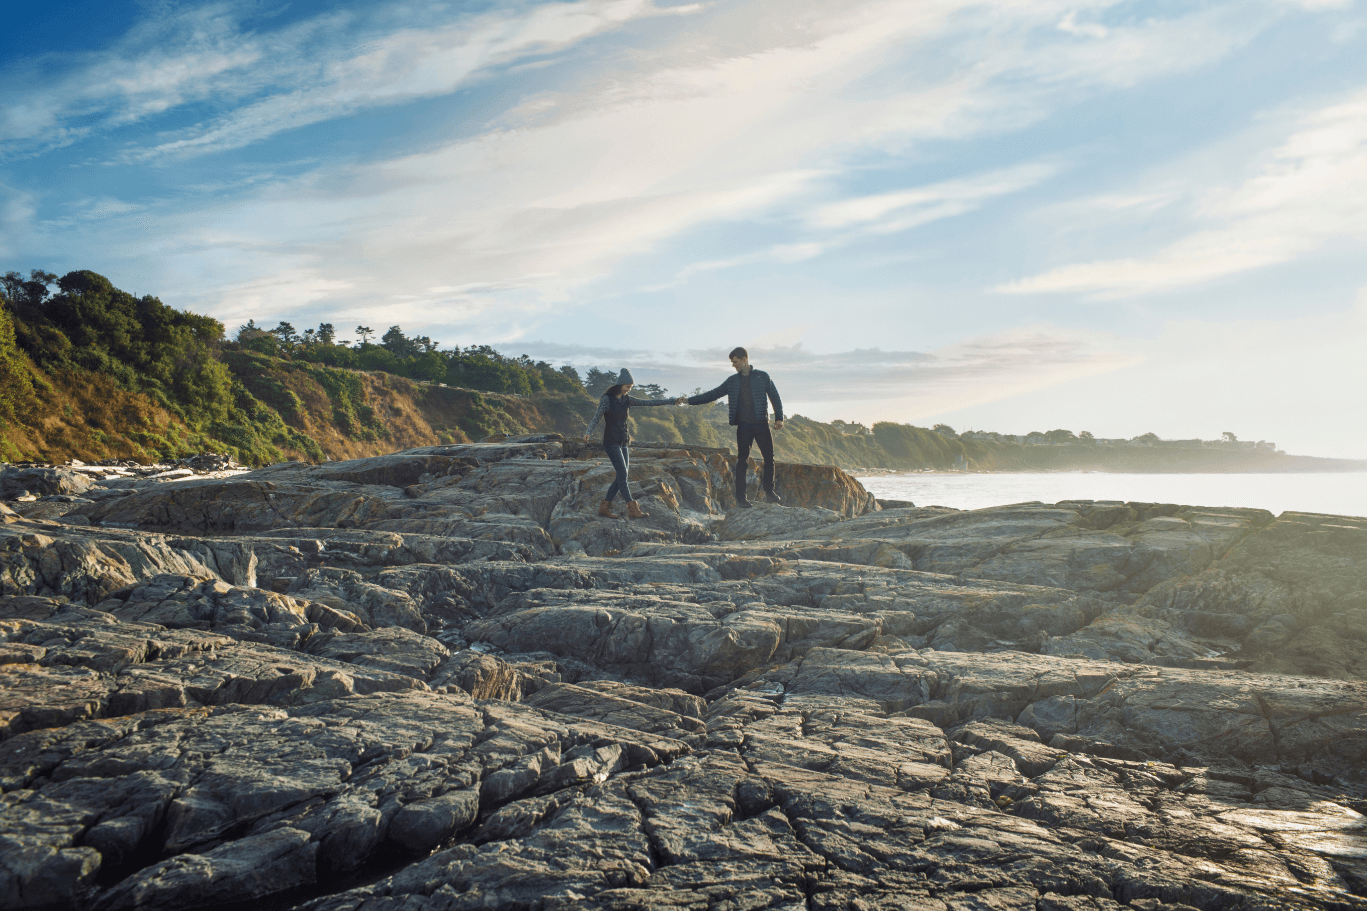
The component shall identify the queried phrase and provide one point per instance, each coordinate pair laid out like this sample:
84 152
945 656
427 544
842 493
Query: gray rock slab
618 710
395 649
87 664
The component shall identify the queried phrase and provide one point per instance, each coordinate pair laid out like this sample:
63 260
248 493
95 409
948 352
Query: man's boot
634 511
768 484
741 500
605 510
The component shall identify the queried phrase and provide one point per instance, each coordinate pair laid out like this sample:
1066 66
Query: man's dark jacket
761 390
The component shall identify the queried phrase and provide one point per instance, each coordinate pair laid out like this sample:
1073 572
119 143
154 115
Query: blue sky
1017 215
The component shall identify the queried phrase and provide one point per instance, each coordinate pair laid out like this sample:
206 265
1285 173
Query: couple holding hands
748 393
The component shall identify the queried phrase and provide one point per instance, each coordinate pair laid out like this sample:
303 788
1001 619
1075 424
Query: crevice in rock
1267 714
658 857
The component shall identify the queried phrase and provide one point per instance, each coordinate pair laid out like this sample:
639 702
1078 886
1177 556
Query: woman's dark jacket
615 410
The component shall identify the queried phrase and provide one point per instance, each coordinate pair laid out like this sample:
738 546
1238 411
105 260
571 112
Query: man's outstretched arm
703 398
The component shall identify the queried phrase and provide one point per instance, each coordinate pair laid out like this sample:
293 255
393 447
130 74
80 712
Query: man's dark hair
738 352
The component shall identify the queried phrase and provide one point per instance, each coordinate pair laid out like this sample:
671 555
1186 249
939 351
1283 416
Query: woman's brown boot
634 511
605 510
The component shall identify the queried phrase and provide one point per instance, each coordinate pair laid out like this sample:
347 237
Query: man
748 394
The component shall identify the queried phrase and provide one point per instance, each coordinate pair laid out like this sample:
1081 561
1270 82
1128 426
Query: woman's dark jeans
621 460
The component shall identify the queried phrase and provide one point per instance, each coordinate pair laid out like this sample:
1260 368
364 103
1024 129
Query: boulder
17 481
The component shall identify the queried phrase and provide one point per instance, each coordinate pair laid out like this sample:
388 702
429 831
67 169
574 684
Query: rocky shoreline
438 680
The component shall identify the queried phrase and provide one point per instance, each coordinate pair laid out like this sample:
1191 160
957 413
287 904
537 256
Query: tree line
418 357
415 357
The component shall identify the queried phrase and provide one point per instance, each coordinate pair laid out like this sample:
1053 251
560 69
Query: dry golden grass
89 417
392 399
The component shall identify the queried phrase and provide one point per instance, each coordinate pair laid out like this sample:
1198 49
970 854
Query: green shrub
16 387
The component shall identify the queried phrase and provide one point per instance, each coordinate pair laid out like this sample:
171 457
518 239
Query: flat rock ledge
439 680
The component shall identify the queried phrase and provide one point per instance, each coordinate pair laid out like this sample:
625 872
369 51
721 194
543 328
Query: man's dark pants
747 433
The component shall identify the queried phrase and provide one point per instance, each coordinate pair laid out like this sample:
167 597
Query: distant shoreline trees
415 357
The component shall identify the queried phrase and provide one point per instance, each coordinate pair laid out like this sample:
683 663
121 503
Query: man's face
740 363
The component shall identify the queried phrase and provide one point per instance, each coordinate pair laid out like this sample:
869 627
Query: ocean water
1337 493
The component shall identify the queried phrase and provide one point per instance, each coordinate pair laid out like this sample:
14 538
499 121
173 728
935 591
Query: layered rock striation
439 680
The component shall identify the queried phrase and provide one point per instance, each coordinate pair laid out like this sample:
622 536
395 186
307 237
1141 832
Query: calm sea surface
1338 493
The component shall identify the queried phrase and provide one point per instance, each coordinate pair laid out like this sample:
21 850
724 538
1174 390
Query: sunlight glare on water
1336 493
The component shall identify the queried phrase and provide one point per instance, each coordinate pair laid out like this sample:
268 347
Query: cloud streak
1307 194
326 67
886 213
877 384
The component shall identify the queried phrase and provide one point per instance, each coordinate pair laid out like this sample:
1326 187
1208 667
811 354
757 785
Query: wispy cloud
839 224
981 368
296 287
326 67
903 209
1307 194
17 210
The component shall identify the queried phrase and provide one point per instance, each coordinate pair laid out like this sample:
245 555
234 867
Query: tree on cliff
286 335
16 386
597 382
172 357
30 292
144 344
398 344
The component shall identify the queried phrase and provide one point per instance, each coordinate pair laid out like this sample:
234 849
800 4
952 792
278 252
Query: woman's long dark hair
615 390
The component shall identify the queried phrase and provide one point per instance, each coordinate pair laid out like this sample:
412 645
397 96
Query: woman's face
626 387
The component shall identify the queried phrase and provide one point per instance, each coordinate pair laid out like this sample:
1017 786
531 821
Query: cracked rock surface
439 680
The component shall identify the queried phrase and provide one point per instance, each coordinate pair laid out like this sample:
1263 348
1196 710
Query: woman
614 408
